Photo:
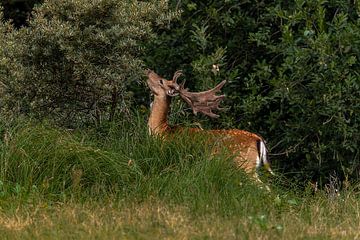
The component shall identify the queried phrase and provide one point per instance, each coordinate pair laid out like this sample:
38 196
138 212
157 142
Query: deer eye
161 82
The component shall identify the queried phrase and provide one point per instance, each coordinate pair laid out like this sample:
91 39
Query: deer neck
158 123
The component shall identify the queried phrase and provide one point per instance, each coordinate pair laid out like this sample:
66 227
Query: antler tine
218 87
204 102
177 74
209 107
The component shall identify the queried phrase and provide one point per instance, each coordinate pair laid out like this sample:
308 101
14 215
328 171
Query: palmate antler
204 102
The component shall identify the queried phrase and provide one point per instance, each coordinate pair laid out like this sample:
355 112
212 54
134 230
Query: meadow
116 182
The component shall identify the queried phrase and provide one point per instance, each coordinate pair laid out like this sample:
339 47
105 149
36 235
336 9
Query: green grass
117 182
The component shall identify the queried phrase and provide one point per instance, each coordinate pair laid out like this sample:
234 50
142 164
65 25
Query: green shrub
210 42
76 59
306 88
292 75
18 11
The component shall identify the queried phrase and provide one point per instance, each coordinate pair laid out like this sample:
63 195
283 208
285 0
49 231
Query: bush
292 75
76 59
18 11
211 43
311 100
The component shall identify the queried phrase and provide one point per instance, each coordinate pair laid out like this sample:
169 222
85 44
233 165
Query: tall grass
122 161
55 161
118 181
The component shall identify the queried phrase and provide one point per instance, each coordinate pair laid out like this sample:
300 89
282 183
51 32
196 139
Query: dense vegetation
292 69
75 68
75 61
117 182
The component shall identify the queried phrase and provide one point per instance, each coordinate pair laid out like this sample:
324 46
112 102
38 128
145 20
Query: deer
249 149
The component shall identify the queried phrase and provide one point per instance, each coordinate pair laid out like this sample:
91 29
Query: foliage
210 43
308 88
119 159
76 59
291 67
116 181
18 11
293 76
292 71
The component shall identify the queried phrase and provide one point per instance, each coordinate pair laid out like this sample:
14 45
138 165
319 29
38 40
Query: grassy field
115 182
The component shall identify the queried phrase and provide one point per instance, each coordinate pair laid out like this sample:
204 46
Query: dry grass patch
149 220
154 219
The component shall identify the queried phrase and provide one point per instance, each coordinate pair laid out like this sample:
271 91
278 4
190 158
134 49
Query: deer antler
203 102
177 74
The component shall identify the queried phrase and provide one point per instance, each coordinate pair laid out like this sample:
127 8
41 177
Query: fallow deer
248 148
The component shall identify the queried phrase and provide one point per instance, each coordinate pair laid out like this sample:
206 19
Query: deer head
204 102
159 86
